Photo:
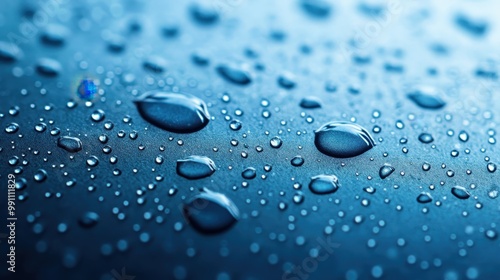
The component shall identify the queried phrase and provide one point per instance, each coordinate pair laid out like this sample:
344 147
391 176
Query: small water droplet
249 173
427 98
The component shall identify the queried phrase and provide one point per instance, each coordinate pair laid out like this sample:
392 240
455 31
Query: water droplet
54 35
276 142
385 171
48 67
249 173
40 175
70 144
12 128
424 197
9 52
297 161
173 112
98 115
310 103
88 219
460 192
475 27
203 13
324 184
316 8
492 167
92 161
155 64
287 81
234 74
427 98
195 167
211 212
235 125
425 138
463 136
343 139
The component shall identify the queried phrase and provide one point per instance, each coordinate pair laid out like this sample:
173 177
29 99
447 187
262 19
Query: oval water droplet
460 192
211 212
427 98
249 173
297 161
155 64
287 80
54 35
316 8
342 139
195 167
40 175
385 171
173 112
310 103
425 138
424 197
70 144
12 128
48 67
234 74
9 52
203 13
88 219
324 184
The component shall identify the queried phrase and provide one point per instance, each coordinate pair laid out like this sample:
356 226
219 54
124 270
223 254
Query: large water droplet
9 52
249 173
211 212
385 171
54 35
310 102
324 184
203 13
48 67
173 112
12 128
342 139
234 74
155 64
40 175
195 167
425 138
70 144
460 192
424 197
427 98
88 219
316 8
